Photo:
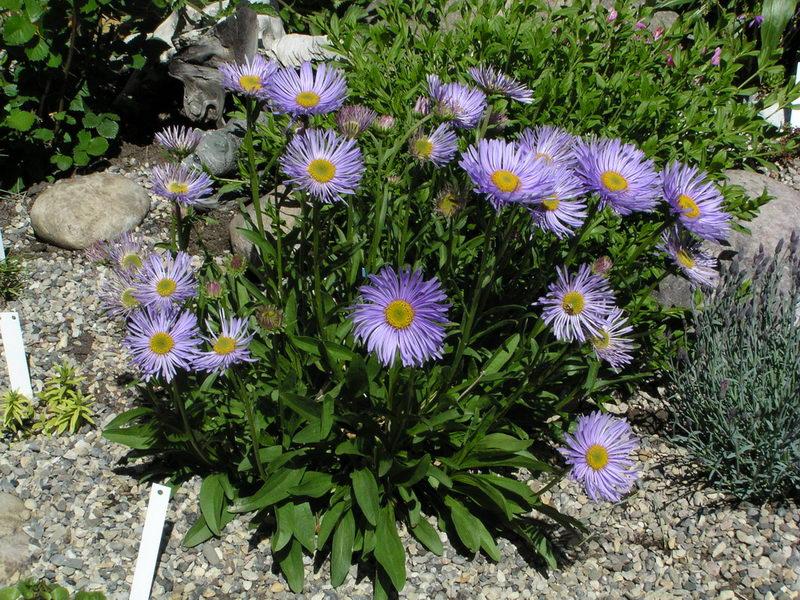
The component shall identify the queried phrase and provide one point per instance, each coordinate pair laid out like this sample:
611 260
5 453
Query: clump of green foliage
67 406
735 394
11 274
16 411
31 589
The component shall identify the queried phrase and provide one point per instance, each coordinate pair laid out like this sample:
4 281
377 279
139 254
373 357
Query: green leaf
21 120
501 442
428 537
18 30
284 518
108 129
389 551
38 52
304 525
365 489
314 484
275 489
329 520
61 161
465 523
342 548
212 498
97 146
197 534
502 356
777 14
291 564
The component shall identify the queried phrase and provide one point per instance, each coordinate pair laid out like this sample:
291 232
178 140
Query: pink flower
640 25
715 58
670 60
658 33
612 16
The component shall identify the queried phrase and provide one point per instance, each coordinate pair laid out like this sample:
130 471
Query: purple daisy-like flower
164 281
611 343
438 147
599 455
181 184
496 82
162 342
422 106
308 93
323 164
401 312
458 103
688 256
228 347
385 123
576 306
250 78
696 201
506 174
551 144
354 120
118 295
564 210
620 174
123 253
716 57
179 140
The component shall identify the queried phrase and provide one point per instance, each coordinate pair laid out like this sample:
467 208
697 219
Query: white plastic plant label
14 350
2 248
151 542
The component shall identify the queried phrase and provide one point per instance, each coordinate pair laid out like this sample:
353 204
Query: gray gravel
670 539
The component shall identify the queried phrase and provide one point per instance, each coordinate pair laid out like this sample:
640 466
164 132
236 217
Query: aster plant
443 296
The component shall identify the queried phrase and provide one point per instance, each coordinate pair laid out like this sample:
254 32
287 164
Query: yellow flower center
689 206
613 181
250 83
544 156
423 147
161 343
505 181
573 303
307 99
551 203
166 287
321 170
177 187
131 261
602 341
128 300
224 345
399 314
448 205
597 457
685 259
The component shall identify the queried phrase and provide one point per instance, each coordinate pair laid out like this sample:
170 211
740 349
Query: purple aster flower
602 265
456 102
323 164
550 144
658 33
506 174
564 210
162 342
228 347
181 184
118 295
124 253
611 343
620 174
385 122
577 305
354 120
164 281
612 15
308 93
422 106
250 78
496 82
599 454
640 25
438 147
686 253
716 57
756 22
179 140
696 201
401 312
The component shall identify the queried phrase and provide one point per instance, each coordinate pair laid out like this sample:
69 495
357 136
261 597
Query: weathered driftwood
200 52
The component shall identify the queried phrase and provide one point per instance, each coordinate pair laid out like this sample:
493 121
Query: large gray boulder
775 221
240 245
15 552
79 211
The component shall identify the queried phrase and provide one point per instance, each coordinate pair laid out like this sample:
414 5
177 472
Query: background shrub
735 393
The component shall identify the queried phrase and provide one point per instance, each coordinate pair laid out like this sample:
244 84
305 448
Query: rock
77 212
663 19
15 555
270 30
243 246
216 152
294 49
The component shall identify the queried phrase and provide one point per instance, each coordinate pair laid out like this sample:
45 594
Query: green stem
252 117
317 277
249 409
187 428
588 225
380 220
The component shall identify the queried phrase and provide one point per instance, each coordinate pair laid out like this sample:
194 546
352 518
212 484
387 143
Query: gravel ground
670 539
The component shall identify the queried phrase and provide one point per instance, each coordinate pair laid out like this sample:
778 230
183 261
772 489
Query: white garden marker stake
14 349
2 249
794 119
151 542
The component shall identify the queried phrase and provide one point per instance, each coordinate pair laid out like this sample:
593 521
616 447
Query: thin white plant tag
2 248
14 349
151 542
794 118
